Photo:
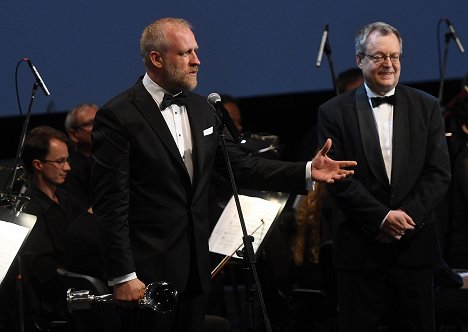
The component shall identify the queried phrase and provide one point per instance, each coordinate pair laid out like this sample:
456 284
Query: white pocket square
208 131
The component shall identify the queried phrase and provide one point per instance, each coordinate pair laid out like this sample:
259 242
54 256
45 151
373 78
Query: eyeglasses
60 162
379 59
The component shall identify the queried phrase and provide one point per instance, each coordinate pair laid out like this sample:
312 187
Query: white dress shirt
383 116
177 121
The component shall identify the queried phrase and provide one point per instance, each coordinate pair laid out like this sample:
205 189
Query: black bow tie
377 101
168 100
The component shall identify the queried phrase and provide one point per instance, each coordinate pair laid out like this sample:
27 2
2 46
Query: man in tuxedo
385 242
154 149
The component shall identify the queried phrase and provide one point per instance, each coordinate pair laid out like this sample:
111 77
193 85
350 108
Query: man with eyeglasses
385 241
79 125
45 158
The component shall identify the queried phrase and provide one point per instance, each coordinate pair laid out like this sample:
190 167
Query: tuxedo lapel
400 137
370 136
197 119
150 111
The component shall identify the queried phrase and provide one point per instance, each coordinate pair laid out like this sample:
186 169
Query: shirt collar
154 90
45 200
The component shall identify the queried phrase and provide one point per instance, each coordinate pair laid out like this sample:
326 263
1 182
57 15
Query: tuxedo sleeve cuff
122 279
382 222
310 183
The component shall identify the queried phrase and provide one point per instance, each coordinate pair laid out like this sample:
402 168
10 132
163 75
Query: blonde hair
154 38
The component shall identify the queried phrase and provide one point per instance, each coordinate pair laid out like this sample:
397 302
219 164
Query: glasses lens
379 59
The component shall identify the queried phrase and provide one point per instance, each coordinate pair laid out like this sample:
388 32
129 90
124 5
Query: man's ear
37 165
156 59
358 60
72 135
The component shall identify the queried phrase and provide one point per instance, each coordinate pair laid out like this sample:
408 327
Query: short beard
177 80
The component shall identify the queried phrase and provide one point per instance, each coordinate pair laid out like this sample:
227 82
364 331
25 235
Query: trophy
160 296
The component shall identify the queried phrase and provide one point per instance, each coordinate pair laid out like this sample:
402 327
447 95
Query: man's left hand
325 169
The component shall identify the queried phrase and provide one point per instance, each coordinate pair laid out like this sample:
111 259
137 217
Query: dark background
88 51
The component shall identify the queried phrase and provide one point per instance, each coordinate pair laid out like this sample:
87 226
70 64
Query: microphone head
213 98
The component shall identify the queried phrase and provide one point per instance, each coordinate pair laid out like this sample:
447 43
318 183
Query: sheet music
259 215
12 237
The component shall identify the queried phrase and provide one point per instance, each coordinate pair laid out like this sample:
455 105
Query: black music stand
15 227
15 223
261 210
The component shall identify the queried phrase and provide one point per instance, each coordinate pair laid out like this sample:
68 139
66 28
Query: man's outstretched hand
328 170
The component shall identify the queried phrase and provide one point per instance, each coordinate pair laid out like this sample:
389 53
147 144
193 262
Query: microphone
215 100
38 77
322 45
454 36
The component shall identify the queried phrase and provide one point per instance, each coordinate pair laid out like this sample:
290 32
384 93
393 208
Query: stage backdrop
88 51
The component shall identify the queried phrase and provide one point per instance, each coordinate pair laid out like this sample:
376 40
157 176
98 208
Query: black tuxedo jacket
420 177
153 219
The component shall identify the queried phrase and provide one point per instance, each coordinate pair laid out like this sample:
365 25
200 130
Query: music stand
14 229
261 210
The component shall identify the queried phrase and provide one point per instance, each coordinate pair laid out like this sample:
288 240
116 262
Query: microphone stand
443 67
248 254
15 200
327 50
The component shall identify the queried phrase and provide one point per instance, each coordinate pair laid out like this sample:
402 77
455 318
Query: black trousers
397 298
